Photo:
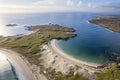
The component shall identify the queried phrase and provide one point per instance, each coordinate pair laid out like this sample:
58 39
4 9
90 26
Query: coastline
54 57
13 70
22 67
101 26
84 64
23 72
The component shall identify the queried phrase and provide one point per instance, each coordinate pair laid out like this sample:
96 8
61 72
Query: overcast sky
59 5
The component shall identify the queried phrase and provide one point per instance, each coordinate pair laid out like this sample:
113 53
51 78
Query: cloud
44 2
110 5
59 6
49 3
42 6
70 3
90 5
80 4
107 7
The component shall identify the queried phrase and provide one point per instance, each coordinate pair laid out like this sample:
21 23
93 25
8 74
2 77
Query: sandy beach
66 56
22 69
85 65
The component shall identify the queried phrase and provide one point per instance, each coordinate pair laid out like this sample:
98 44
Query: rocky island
110 22
11 25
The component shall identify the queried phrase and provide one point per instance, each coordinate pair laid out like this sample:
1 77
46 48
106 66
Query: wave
6 72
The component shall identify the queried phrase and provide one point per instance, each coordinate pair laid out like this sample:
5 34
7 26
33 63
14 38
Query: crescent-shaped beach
91 66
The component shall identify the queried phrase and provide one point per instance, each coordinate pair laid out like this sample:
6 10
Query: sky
20 6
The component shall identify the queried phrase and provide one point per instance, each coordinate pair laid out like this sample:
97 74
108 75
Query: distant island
110 22
11 25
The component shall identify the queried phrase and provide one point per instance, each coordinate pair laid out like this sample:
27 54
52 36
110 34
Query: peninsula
29 45
110 22
41 59
31 49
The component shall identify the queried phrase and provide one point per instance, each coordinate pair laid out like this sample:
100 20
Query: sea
93 43
6 72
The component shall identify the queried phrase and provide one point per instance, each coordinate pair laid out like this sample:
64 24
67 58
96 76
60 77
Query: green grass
112 73
53 75
111 22
29 45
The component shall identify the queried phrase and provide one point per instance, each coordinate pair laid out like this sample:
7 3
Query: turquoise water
5 70
7 75
93 43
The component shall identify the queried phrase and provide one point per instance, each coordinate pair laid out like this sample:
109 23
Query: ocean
6 72
93 43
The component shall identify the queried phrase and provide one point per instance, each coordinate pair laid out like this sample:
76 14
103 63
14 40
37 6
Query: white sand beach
74 60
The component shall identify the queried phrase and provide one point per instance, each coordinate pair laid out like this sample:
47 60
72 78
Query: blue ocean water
93 43
6 72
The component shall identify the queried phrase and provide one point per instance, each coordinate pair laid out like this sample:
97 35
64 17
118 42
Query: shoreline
55 48
22 70
101 26
13 70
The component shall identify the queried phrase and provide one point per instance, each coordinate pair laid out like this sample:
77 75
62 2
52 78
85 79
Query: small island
110 22
11 25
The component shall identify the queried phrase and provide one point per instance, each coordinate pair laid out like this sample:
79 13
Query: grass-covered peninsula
29 46
110 22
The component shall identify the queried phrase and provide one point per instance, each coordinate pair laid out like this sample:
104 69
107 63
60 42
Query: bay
93 43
